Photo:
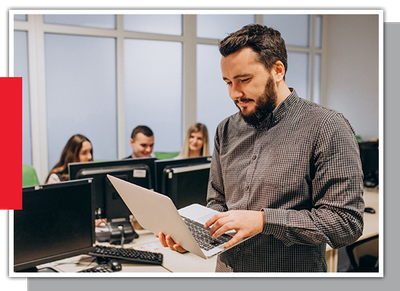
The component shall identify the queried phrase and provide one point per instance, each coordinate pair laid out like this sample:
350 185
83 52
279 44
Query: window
84 20
21 69
81 93
158 23
153 91
218 26
101 79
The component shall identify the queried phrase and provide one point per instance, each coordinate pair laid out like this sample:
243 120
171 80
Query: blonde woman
196 142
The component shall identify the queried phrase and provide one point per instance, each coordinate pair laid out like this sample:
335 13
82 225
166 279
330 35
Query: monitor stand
121 231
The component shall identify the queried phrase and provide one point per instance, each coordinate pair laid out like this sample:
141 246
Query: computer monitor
108 203
56 222
369 154
185 181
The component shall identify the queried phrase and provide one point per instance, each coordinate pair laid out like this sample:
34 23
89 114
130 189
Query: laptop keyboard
202 235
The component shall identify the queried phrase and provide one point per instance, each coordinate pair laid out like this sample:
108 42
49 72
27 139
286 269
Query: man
284 169
142 142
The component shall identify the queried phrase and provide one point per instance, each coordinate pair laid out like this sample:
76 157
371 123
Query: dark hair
265 41
141 129
70 154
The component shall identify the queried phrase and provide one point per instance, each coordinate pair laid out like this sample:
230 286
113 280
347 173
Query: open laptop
157 213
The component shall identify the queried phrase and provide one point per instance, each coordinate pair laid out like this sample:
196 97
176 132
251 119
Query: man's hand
245 222
167 241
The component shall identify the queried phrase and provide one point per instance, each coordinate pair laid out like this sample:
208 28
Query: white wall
352 71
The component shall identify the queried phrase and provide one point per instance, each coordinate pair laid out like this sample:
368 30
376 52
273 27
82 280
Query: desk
371 226
173 261
183 263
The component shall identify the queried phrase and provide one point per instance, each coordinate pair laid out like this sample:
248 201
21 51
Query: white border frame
39 107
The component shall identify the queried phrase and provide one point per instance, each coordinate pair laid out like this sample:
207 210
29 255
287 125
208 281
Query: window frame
36 28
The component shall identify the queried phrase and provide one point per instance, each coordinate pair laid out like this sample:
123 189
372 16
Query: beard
265 104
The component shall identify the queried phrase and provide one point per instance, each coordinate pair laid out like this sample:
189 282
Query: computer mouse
115 265
369 210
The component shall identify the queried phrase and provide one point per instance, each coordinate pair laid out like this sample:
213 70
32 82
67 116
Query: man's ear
131 142
279 71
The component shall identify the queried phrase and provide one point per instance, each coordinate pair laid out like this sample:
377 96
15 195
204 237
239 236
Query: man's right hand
167 241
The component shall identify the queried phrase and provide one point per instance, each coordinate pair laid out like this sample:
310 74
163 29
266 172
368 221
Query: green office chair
165 155
29 177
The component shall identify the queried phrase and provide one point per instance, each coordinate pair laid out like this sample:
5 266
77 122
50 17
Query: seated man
142 142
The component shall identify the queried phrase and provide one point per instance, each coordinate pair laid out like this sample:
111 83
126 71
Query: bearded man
284 169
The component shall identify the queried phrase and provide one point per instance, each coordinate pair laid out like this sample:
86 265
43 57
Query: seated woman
78 149
196 142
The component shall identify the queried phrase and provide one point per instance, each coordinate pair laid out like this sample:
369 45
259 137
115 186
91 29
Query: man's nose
236 92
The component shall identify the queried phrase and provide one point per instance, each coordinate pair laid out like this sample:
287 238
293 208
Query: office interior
102 74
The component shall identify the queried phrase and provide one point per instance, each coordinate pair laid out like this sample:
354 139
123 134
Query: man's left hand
245 222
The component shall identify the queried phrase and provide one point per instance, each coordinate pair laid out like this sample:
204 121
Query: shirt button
254 157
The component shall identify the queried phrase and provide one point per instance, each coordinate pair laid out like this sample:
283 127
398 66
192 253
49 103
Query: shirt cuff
276 221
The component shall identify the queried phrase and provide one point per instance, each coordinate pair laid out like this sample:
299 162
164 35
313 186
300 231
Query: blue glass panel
219 26
297 75
81 93
293 28
106 21
153 91
154 23
21 69
213 101
20 17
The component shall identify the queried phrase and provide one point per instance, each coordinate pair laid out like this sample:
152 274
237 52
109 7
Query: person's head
142 141
196 143
254 64
78 149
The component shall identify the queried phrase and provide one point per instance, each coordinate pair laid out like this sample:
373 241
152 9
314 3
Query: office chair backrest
29 177
165 155
364 254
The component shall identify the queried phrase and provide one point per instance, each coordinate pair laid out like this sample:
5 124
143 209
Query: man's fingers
236 238
174 246
214 218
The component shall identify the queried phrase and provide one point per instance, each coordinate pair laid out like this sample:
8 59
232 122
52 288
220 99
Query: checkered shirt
302 168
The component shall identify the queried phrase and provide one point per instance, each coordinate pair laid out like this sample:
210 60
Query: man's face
142 145
250 85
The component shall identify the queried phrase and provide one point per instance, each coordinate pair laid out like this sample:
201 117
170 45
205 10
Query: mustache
242 100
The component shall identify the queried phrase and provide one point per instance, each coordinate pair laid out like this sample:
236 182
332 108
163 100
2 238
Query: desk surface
173 261
371 221
188 262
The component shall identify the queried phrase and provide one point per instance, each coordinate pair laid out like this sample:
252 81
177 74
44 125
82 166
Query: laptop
157 213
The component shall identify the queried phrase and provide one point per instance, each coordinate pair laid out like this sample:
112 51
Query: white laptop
157 213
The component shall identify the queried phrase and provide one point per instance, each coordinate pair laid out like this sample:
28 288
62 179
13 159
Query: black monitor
369 154
56 222
108 203
185 181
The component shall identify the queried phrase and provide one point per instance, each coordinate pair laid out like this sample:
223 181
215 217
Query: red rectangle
11 143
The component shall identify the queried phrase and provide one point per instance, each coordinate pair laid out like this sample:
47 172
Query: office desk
77 263
173 261
371 226
183 263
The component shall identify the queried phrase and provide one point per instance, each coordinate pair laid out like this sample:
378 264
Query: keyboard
127 254
97 269
202 235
